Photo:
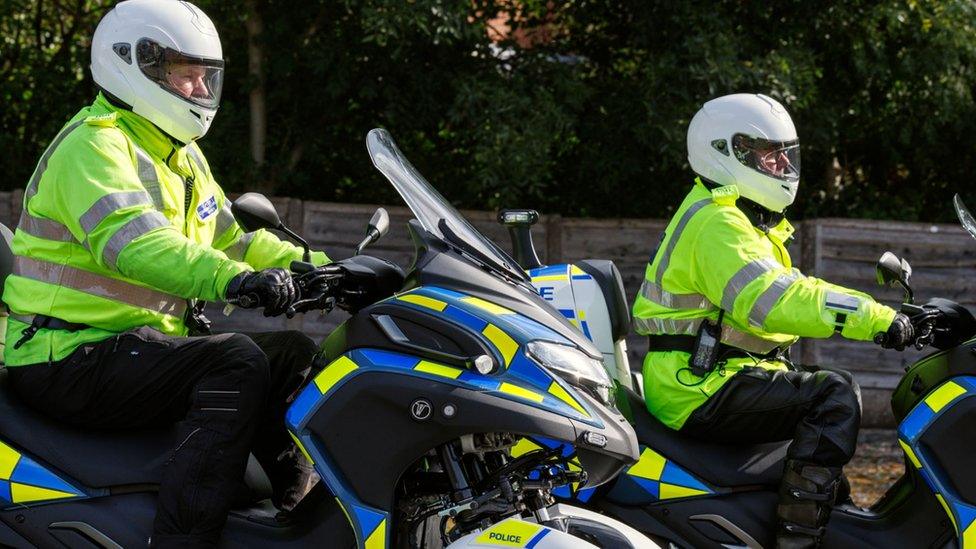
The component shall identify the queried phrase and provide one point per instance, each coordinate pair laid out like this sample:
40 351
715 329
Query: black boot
806 496
291 478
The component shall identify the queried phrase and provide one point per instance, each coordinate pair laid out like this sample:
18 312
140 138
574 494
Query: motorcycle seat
97 459
720 465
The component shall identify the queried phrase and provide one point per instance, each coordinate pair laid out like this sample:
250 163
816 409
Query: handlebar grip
302 267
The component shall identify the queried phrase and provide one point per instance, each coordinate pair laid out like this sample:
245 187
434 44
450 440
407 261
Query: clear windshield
434 212
966 218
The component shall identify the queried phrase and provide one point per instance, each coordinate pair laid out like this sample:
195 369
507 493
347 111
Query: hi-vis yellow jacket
712 258
120 227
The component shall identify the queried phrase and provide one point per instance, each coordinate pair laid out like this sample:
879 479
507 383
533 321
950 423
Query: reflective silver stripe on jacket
746 342
197 158
26 319
673 238
659 296
148 176
54 230
99 286
135 228
109 204
730 335
225 219
767 300
39 226
666 326
842 303
238 249
748 273
42 165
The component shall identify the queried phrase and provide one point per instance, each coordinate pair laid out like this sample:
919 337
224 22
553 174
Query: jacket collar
770 223
146 134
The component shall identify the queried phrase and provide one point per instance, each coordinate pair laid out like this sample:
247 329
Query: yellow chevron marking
438 369
649 466
502 341
334 372
521 392
557 391
423 301
377 540
672 491
487 305
8 461
944 395
25 493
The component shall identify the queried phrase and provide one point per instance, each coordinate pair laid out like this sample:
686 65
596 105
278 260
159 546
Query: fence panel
842 251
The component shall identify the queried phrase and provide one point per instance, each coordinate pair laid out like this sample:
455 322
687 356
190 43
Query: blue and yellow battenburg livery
519 378
24 481
911 433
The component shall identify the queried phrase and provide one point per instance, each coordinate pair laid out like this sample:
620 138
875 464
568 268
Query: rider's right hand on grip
900 334
271 288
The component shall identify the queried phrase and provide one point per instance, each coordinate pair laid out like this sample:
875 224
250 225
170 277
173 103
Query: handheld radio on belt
704 353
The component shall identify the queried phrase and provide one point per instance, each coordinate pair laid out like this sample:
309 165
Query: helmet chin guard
164 59
747 140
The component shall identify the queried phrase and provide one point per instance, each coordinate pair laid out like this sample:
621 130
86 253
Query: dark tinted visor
193 79
779 159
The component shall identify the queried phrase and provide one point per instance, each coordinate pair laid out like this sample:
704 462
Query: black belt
686 344
47 323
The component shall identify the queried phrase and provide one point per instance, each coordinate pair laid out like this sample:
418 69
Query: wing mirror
378 226
254 211
892 270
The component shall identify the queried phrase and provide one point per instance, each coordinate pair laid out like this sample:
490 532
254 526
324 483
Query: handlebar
315 286
924 320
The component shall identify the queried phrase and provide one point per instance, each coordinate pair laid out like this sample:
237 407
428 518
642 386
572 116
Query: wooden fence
843 251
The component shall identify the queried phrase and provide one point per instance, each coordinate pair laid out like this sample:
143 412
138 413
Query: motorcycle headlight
574 366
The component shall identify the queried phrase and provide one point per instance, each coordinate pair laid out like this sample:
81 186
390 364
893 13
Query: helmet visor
779 159
193 79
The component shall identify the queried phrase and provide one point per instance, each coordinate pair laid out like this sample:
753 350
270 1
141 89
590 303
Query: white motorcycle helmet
747 140
163 59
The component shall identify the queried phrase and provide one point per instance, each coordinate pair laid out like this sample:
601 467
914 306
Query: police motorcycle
685 492
415 425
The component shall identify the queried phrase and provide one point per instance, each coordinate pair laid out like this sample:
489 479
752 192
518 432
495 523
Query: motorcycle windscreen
966 218
434 212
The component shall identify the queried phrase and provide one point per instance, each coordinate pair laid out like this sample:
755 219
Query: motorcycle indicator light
595 439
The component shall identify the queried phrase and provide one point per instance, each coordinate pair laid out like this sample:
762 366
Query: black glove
271 288
900 334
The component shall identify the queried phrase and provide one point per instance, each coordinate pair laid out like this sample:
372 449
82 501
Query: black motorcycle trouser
819 409
227 394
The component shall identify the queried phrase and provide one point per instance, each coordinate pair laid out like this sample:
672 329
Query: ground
876 465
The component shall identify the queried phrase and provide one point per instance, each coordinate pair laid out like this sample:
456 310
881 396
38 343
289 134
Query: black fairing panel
953 453
368 432
754 513
423 330
611 284
930 372
907 516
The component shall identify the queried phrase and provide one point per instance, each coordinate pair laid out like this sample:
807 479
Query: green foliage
589 122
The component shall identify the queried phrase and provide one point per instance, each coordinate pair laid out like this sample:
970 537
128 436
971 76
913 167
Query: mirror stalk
306 254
